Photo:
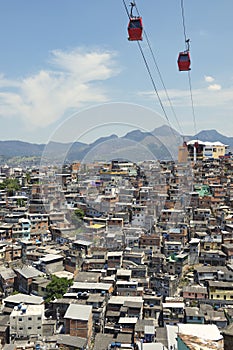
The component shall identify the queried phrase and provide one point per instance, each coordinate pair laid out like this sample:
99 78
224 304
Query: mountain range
161 143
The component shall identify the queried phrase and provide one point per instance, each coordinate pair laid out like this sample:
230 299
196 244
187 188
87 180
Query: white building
139 215
26 321
204 150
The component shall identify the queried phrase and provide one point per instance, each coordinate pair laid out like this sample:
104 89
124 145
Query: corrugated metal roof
24 298
28 271
78 312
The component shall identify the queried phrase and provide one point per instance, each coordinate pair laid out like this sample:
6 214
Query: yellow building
214 150
219 290
201 150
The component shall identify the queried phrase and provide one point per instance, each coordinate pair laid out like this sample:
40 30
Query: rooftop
78 312
203 331
24 298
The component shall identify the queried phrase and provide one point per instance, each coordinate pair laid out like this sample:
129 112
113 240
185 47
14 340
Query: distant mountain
136 135
164 131
10 149
102 140
80 151
212 136
136 145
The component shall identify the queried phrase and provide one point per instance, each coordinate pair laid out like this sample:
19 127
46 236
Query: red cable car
184 61
135 28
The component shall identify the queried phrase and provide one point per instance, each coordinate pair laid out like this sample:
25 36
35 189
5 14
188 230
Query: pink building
195 292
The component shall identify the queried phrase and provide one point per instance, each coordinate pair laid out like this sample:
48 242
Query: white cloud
209 79
201 97
85 65
72 81
4 82
214 87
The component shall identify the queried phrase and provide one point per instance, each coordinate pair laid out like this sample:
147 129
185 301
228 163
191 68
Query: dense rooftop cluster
117 255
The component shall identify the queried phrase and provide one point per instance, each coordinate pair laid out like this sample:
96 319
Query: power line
191 96
183 21
189 75
153 82
162 82
150 74
126 9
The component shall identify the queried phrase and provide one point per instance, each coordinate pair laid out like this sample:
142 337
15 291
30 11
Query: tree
28 178
57 288
79 213
20 202
11 185
77 216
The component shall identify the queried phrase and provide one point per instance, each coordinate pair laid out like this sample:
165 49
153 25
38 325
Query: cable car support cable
189 75
161 79
150 74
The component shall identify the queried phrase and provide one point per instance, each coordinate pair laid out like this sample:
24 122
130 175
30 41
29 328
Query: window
183 58
20 319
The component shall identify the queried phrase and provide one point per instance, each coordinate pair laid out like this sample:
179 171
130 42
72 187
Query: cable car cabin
135 28
184 61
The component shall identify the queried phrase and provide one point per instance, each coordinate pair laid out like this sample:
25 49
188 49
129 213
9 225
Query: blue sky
66 58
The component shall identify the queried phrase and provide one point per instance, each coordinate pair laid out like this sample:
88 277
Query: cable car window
135 23
184 58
